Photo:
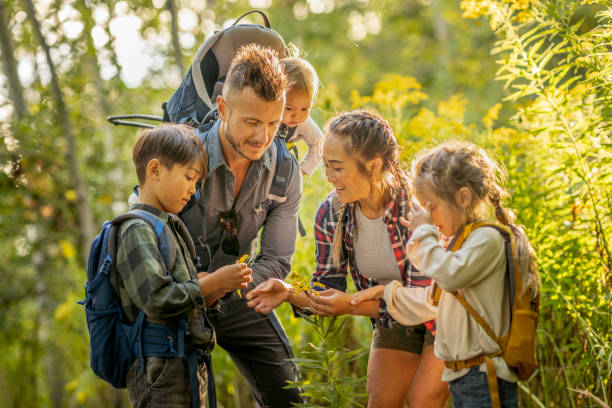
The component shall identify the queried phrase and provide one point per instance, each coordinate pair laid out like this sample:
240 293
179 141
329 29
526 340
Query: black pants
257 349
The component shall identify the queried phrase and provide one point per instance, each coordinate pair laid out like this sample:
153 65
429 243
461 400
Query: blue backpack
116 343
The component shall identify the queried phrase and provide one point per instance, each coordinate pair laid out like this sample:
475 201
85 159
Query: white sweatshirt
312 135
478 271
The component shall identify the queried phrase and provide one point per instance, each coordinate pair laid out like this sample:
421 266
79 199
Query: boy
169 161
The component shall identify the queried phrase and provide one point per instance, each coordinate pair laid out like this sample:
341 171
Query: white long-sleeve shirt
312 135
478 271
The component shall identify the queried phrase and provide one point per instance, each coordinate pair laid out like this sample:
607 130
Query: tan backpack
517 347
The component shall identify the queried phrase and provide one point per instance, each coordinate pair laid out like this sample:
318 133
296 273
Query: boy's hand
373 293
417 216
234 276
268 295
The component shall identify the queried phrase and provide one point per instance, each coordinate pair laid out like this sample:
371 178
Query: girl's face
446 216
297 107
343 172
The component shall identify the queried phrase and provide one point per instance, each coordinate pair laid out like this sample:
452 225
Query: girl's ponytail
526 254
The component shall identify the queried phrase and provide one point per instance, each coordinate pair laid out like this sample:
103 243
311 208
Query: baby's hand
417 216
234 276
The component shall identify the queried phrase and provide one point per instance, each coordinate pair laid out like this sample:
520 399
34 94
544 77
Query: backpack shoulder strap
165 239
184 233
282 172
507 235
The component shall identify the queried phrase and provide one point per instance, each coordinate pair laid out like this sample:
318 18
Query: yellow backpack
517 346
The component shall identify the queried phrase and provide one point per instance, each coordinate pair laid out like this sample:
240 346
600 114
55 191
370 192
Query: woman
357 230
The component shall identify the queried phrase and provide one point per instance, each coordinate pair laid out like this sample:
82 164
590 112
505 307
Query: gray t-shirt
374 255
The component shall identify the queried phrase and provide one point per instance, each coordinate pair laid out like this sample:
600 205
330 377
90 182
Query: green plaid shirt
144 284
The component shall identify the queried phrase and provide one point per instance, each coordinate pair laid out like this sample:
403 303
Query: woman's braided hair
453 165
367 136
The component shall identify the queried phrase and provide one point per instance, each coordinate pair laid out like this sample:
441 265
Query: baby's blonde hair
302 76
451 166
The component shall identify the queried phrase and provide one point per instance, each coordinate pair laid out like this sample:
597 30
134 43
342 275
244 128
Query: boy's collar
155 211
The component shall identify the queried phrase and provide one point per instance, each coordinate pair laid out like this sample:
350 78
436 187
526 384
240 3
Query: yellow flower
491 115
68 250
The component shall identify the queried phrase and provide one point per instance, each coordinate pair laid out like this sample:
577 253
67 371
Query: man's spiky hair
258 68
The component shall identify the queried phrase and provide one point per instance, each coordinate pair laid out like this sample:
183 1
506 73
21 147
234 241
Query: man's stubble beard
232 143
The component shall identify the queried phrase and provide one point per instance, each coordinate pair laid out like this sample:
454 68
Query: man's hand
268 295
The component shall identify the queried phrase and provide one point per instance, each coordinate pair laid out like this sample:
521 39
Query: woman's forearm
300 299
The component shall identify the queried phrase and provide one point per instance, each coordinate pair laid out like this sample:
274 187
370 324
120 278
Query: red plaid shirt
334 276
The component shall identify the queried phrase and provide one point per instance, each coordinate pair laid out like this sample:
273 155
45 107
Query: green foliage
426 69
323 364
555 58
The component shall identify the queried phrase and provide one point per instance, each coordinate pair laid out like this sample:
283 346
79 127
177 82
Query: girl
454 183
296 124
357 231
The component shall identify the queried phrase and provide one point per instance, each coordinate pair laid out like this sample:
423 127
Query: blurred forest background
530 80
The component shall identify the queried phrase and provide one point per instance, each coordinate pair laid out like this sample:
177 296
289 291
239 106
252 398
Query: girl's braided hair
367 136
453 165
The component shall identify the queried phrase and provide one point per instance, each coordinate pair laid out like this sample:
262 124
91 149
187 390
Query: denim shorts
404 338
472 391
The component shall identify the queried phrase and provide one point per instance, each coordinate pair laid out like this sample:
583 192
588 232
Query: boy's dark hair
258 68
171 144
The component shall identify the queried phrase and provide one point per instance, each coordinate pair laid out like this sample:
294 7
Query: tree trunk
10 66
178 56
86 223
440 28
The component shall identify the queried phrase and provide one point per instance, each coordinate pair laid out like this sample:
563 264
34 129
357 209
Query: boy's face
249 123
175 186
297 107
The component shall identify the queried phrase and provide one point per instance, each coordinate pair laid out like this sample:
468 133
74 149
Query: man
236 206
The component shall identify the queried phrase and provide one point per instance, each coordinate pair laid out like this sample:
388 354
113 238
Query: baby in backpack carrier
169 161
296 123
458 184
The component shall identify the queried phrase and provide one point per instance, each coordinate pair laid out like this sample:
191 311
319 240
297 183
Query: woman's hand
331 302
268 295
417 216
373 293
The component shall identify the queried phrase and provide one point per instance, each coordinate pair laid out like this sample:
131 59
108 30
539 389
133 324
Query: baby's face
297 108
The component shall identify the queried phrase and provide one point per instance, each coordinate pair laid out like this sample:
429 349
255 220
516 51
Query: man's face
249 122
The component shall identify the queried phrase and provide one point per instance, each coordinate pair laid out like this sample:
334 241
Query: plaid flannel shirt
145 285
334 276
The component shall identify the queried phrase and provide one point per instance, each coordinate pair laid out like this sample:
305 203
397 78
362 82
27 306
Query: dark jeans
472 391
256 347
165 383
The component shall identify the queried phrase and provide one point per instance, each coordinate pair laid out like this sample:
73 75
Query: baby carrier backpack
116 343
517 347
195 100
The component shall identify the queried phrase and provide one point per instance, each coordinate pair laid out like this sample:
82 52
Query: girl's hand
417 216
234 276
268 295
331 302
373 293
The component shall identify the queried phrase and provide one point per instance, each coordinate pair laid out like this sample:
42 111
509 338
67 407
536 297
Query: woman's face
342 171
